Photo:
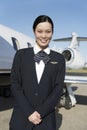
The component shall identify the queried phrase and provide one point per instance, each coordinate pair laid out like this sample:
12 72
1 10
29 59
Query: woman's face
43 34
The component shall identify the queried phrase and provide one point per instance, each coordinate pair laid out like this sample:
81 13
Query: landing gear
65 99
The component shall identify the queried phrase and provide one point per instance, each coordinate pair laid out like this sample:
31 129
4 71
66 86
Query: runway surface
72 119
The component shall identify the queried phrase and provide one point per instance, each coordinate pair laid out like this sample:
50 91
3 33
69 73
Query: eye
48 31
39 31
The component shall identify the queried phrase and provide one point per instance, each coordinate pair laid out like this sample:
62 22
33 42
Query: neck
42 47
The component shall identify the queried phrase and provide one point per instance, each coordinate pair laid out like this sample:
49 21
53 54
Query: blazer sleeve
16 88
50 103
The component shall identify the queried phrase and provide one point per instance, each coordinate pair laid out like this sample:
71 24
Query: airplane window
15 43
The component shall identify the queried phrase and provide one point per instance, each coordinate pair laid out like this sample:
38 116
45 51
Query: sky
68 16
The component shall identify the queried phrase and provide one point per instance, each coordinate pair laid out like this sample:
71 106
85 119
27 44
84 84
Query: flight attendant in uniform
37 79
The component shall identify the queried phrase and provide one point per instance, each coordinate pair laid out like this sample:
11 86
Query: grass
84 70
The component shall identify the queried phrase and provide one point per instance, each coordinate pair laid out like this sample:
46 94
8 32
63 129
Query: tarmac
74 118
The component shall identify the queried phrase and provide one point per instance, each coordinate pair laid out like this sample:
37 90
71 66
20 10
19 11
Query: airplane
72 54
74 60
11 41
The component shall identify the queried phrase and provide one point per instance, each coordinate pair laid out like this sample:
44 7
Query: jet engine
73 58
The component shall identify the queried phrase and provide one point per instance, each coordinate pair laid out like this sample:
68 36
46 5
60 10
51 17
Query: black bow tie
41 56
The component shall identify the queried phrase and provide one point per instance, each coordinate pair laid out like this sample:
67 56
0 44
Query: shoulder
57 55
24 51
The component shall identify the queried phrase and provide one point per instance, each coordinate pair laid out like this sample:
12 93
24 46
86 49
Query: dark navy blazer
30 96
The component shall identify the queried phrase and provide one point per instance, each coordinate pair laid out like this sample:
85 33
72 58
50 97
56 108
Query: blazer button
36 94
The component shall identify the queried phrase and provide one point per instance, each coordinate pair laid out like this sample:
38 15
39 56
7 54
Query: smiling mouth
44 41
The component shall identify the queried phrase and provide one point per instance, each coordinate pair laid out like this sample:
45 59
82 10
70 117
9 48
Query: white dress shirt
40 67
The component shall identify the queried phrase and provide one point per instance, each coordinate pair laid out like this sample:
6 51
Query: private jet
74 60
73 57
10 42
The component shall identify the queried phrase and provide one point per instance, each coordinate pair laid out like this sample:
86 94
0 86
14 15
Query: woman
37 81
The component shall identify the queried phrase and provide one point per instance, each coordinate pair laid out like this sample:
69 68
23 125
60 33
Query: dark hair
42 18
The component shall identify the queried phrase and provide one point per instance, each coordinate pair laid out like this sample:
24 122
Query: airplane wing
69 39
75 79
63 39
82 38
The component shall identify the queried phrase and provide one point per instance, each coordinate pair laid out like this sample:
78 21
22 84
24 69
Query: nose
43 34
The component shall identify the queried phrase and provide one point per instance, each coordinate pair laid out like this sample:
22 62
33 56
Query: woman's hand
35 118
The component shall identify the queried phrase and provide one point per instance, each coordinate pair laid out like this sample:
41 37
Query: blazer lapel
33 68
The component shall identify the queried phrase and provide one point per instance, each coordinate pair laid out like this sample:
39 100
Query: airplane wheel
68 104
65 100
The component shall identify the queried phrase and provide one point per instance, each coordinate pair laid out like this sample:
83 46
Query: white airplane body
74 60
6 55
11 41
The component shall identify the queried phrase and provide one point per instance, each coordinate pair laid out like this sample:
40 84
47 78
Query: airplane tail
74 40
